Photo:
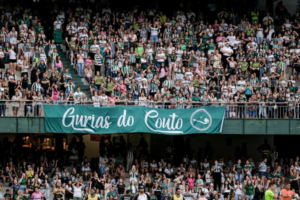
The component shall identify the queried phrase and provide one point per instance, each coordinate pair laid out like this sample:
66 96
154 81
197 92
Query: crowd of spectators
144 57
121 175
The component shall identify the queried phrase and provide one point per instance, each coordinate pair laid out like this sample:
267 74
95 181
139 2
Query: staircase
79 82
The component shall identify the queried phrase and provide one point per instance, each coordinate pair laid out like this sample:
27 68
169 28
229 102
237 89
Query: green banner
132 119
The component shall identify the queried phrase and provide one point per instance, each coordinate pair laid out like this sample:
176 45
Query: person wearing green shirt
249 30
211 47
99 80
269 194
162 18
205 36
22 181
109 85
72 46
195 40
196 98
238 170
244 65
201 46
39 28
24 19
255 67
248 169
112 193
139 52
153 196
182 45
95 31
279 175
42 67
191 30
249 190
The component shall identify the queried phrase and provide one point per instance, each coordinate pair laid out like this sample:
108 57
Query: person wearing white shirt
231 38
57 31
190 14
160 58
85 168
154 34
102 162
169 171
77 189
103 99
210 31
227 52
238 188
181 16
267 18
287 24
269 32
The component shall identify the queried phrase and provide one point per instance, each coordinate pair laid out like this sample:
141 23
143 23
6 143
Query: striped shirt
153 87
126 69
110 62
121 45
69 87
37 87
115 67
132 58
217 167
282 65
130 154
94 47
149 76
143 33
168 83
99 59
167 34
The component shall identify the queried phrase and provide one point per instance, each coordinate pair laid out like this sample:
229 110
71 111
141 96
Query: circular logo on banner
201 119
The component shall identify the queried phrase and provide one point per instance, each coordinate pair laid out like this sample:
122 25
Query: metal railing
260 110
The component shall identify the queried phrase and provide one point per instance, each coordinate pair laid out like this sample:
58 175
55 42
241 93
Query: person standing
227 52
269 194
102 162
238 170
216 170
77 188
99 67
287 193
263 170
249 190
57 35
129 157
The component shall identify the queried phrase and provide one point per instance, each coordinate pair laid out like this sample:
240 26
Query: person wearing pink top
122 87
112 99
220 38
88 61
59 64
37 195
55 93
80 63
191 181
